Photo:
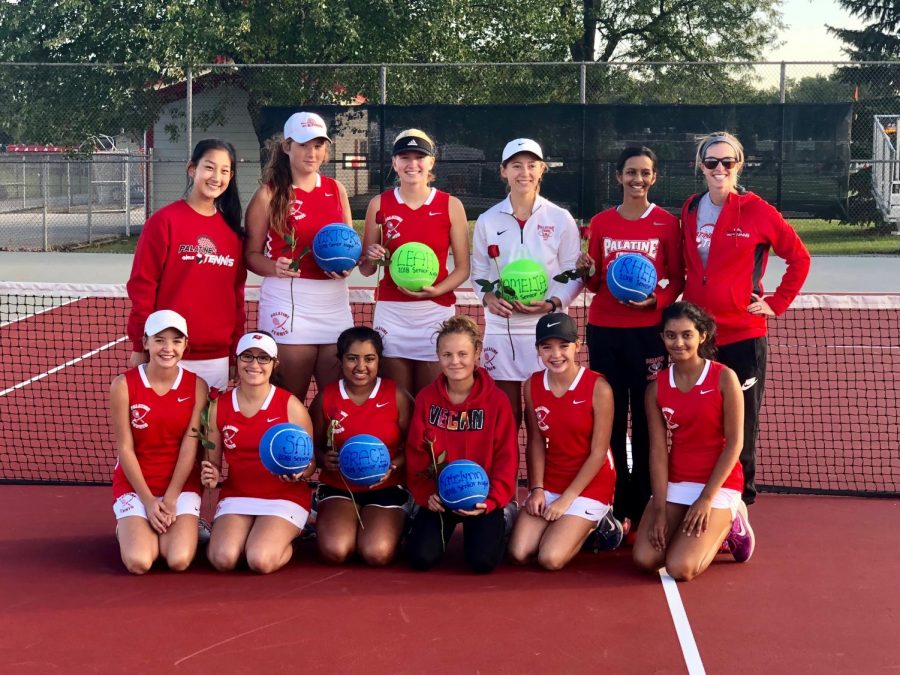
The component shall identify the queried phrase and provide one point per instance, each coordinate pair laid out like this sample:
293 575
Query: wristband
555 305
537 487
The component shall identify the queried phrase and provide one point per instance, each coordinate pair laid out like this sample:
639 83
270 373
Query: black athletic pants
483 539
629 359
747 359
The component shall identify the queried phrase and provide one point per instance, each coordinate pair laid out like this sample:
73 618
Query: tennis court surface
819 595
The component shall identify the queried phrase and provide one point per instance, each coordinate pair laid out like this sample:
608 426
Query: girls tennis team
191 411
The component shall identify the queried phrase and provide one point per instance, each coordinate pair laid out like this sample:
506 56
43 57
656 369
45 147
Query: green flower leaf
487 286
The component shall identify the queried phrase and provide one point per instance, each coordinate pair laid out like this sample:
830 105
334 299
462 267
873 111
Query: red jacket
481 429
192 264
747 227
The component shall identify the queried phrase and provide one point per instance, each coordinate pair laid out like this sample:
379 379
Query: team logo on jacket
228 433
487 359
541 413
297 210
669 413
738 232
647 247
204 252
456 420
546 231
139 411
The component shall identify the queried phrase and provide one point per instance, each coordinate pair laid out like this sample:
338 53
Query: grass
822 237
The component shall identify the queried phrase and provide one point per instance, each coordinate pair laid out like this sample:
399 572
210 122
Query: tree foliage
878 40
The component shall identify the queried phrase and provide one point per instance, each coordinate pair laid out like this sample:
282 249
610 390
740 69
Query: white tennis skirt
687 493
497 356
254 506
304 311
212 371
583 507
129 504
409 329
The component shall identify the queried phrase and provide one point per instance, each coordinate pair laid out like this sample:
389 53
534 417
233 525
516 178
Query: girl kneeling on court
156 482
696 505
259 514
570 469
461 415
351 518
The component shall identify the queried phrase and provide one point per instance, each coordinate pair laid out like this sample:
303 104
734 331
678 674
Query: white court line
64 365
682 625
46 309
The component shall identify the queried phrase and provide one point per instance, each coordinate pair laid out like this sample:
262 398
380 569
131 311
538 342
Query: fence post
189 111
583 83
24 202
68 185
45 189
782 83
779 171
90 197
382 73
128 192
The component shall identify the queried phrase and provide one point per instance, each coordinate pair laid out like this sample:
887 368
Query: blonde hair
459 324
719 137
418 133
278 178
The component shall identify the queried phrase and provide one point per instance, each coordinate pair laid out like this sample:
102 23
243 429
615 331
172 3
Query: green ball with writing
527 278
413 266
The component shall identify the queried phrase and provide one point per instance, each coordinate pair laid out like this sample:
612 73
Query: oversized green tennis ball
414 265
527 279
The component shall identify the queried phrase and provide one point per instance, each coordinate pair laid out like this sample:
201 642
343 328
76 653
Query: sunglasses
261 359
727 163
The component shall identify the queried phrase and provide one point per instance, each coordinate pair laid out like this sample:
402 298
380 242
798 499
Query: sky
806 38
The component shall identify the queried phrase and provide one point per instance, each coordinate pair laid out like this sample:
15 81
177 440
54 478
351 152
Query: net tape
830 421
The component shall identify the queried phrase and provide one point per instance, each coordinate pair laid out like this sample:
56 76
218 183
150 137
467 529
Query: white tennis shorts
129 504
212 371
254 506
409 329
304 311
583 507
497 357
687 493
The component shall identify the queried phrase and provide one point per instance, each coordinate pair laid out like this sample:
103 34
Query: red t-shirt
656 236
376 416
567 423
158 425
428 224
310 212
247 477
696 420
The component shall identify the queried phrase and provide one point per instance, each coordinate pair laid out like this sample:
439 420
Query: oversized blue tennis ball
364 460
527 278
463 484
631 276
413 266
336 248
285 449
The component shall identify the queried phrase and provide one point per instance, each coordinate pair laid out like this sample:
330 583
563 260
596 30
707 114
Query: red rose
379 219
213 393
494 251
585 232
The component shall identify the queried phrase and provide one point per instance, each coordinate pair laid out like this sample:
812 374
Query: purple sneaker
741 540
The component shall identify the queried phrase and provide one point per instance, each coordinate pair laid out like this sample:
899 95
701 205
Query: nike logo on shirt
269 420
182 400
381 405
501 232
577 402
434 213
706 391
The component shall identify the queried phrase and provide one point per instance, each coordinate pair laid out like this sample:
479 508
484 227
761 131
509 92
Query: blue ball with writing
463 484
286 449
336 248
631 276
364 460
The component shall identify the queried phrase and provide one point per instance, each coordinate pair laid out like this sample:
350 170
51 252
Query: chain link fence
88 151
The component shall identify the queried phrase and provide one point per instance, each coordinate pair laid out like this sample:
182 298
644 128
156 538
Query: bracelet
537 487
555 305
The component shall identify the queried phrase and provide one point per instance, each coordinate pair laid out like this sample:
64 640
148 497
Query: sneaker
510 511
741 539
607 536
205 532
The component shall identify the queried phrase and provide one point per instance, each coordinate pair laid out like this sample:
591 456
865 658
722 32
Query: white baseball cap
522 145
162 319
258 340
305 126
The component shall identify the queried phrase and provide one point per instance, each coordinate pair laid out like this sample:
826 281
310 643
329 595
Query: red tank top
158 424
696 421
310 212
376 416
247 477
428 224
567 424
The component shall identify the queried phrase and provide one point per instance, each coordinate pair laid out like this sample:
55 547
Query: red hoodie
481 429
192 264
738 252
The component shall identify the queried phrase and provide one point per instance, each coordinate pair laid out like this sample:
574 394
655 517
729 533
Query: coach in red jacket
727 235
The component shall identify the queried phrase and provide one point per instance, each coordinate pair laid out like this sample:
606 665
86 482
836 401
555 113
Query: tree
878 40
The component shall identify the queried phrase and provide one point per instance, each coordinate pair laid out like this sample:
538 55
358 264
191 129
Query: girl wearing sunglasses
727 235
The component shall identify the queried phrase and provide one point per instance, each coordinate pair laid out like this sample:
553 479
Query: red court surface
819 596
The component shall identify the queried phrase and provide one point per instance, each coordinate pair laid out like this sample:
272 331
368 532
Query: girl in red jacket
461 415
304 308
727 236
696 504
189 259
623 338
